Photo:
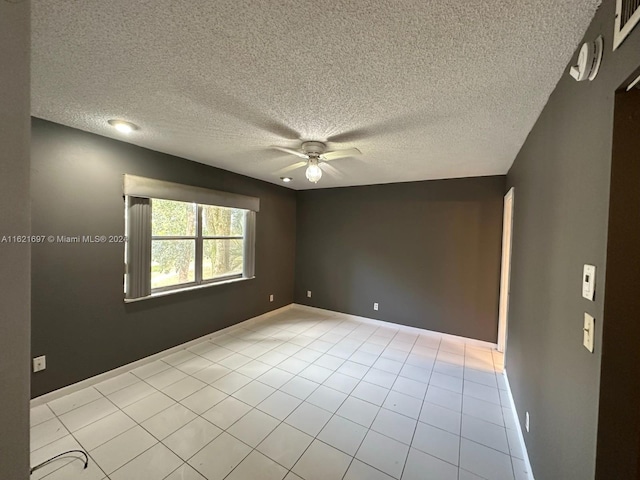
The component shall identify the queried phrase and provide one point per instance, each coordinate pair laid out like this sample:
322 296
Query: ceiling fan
315 157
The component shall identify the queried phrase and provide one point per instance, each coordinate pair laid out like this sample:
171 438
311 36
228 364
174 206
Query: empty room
329 240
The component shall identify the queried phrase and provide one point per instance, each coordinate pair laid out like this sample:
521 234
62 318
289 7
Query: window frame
203 237
199 238
139 193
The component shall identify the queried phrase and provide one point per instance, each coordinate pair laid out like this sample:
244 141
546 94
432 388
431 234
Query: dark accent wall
14 257
561 180
80 320
619 417
427 252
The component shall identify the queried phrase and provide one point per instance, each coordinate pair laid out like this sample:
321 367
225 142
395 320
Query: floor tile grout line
127 430
204 446
381 406
332 415
280 421
461 418
69 432
118 408
53 441
336 414
283 421
122 433
503 426
361 341
177 401
415 429
513 468
168 365
92 387
353 457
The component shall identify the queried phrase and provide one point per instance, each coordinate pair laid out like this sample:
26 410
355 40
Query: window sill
186 289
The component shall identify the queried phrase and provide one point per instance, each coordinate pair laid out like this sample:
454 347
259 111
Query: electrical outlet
375 306
271 298
526 421
39 363
309 293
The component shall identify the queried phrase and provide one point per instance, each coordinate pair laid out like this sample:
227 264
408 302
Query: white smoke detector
589 60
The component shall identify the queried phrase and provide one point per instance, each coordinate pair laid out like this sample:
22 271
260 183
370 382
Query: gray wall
77 296
14 258
427 252
561 180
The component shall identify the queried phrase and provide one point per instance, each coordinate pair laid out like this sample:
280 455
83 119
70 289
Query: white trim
382 323
634 83
505 269
47 397
523 445
620 34
205 284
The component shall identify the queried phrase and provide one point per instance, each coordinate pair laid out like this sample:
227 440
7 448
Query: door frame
505 269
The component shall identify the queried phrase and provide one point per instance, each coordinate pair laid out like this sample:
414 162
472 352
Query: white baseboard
61 392
519 428
380 323
247 323
47 397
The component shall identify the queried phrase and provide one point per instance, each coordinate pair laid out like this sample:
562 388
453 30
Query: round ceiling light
123 126
286 179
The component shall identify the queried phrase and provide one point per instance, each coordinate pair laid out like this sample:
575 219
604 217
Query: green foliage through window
175 240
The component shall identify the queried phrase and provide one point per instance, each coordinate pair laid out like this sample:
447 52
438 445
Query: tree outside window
194 243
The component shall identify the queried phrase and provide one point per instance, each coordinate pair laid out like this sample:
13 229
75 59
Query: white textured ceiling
424 88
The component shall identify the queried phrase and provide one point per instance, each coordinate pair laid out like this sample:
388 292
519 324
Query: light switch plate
589 282
588 332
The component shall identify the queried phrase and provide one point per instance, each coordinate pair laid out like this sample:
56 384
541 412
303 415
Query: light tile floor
300 395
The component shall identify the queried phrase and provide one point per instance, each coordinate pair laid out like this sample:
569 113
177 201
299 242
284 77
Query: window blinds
138 274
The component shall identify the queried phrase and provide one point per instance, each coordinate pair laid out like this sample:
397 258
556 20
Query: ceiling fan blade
291 168
331 170
349 152
217 100
404 123
291 151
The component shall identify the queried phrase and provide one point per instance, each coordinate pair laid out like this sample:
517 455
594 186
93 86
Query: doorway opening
618 444
505 270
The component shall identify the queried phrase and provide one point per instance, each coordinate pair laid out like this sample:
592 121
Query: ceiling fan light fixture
313 173
315 158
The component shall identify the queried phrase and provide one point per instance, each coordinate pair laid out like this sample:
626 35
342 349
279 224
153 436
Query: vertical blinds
138 248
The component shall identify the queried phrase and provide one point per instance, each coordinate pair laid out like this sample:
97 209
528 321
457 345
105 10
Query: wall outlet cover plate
39 363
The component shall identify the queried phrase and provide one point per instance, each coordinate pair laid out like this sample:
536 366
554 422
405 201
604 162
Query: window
183 253
175 244
222 242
